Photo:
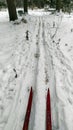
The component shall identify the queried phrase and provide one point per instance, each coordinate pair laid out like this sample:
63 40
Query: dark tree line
58 4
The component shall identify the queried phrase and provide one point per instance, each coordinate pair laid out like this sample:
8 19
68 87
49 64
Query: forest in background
65 5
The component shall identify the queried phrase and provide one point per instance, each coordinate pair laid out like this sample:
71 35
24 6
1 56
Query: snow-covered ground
44 61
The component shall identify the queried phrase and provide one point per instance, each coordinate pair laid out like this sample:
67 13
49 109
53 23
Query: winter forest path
40 63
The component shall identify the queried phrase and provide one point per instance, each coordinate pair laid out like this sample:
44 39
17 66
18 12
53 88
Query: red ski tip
48 112
28 111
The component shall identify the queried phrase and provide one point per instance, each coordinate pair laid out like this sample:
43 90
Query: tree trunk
51 3
58 4
12 10
25 3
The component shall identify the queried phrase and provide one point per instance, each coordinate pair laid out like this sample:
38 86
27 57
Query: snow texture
43 60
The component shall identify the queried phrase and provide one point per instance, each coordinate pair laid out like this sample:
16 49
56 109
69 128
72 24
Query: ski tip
48 91
31 90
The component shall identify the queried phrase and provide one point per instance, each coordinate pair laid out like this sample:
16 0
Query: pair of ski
48 111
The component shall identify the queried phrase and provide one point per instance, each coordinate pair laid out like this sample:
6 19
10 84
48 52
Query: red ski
28 111
48 112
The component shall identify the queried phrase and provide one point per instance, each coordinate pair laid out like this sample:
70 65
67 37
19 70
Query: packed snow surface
44 60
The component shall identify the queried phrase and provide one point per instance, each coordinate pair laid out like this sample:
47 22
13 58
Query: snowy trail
50 79
18 83
13 118
38 108
41 87
39 70
62 71
44 61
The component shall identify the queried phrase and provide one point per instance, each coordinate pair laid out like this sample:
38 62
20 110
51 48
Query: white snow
44 61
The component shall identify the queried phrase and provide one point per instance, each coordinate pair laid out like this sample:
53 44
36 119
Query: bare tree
12 10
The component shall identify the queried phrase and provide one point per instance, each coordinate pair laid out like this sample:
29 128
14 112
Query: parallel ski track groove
49 58
17 99
33 110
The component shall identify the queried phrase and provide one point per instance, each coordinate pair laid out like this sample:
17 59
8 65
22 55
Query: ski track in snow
39 62
63 87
